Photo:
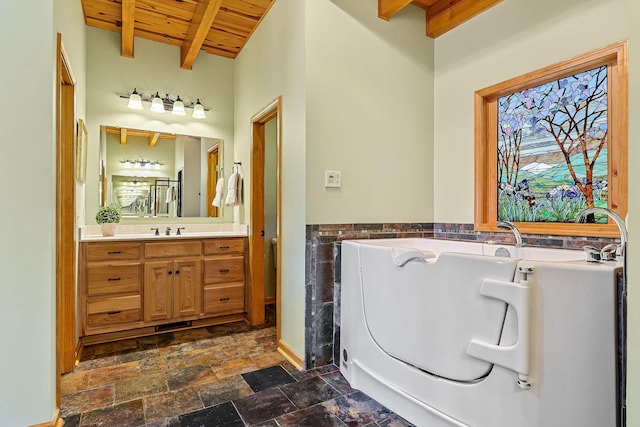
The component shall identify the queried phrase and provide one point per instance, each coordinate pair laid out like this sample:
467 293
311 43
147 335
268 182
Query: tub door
425 313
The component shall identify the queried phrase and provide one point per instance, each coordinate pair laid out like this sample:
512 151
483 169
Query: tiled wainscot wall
322 276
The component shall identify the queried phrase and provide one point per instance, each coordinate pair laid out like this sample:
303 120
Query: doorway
266 122
66 337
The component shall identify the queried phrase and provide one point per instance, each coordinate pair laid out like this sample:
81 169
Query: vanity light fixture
178 107
135 101
157 105
198 111
160 105
142 163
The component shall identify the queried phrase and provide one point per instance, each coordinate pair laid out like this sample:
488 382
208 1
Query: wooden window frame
615 58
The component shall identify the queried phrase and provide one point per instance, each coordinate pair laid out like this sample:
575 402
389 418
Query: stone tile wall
322 275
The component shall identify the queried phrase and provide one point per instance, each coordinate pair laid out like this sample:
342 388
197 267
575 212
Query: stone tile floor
228 375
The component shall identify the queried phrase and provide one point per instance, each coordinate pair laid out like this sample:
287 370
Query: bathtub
448 334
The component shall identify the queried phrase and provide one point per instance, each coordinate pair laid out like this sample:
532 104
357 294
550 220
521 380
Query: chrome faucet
508 225
168 231
622 228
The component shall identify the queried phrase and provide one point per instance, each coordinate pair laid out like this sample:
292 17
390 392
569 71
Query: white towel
234 190
217 200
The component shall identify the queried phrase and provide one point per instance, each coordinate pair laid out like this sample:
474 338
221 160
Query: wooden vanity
132 288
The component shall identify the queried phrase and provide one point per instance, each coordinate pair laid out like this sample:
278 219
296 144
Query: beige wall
369 114
272 64
156 66
510 39
27 297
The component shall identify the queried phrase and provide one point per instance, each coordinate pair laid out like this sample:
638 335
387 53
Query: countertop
93 233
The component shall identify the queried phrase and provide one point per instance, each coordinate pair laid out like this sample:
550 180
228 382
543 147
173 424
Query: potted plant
108 217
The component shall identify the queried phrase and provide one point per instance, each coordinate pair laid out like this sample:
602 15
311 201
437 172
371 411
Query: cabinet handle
177 271
224 247
225 299
114 252
114 312
113 279
170 272
224 270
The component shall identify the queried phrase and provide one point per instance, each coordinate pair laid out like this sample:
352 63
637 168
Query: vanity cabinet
224 284
134 288
172 289
112 295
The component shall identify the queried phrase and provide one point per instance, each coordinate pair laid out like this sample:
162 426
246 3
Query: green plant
108 214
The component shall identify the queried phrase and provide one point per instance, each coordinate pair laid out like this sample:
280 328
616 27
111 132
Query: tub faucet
508 225
622 228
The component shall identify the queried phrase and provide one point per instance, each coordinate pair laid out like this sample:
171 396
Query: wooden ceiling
222 27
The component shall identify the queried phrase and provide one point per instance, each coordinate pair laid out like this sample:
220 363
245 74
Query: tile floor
228 375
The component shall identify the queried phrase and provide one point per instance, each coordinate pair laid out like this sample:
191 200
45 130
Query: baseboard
269 300
57 421
290 355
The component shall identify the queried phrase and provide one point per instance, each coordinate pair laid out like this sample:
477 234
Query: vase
109 229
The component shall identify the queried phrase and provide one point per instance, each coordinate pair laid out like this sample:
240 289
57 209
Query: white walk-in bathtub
449 334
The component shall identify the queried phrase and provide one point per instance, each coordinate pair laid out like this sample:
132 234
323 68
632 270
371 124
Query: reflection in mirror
154 175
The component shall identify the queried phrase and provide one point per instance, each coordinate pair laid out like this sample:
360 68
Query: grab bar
516 356
401 259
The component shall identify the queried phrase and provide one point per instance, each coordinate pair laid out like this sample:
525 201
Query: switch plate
332 179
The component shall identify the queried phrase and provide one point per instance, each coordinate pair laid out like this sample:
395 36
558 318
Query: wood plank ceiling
222 27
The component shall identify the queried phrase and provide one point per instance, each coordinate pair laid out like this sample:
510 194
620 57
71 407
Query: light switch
332 179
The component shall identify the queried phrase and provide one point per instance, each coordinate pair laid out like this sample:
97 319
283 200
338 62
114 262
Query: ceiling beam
200 25
445 15
423 4
128 25
153 139
388 8
123 136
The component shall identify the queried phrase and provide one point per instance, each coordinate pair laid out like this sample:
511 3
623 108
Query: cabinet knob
170 272
177 271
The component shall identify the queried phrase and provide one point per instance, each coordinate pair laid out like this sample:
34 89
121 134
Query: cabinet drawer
224 269
223 246
114 279
224 299
114 311
113 251
172 249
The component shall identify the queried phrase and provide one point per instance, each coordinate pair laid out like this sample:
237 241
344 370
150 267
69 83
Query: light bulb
198 111
178 107
157 106
135 101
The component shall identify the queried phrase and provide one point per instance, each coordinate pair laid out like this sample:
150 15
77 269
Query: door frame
256 240
66 337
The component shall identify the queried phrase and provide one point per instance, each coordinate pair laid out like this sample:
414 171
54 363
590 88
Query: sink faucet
168 231
622 228
508 225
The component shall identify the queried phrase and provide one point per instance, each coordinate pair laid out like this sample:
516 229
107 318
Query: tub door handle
516 356
401 259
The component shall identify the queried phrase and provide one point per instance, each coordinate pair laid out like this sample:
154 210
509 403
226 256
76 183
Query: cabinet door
187 288
158 290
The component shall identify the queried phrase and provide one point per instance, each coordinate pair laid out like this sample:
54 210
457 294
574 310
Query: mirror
159 175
